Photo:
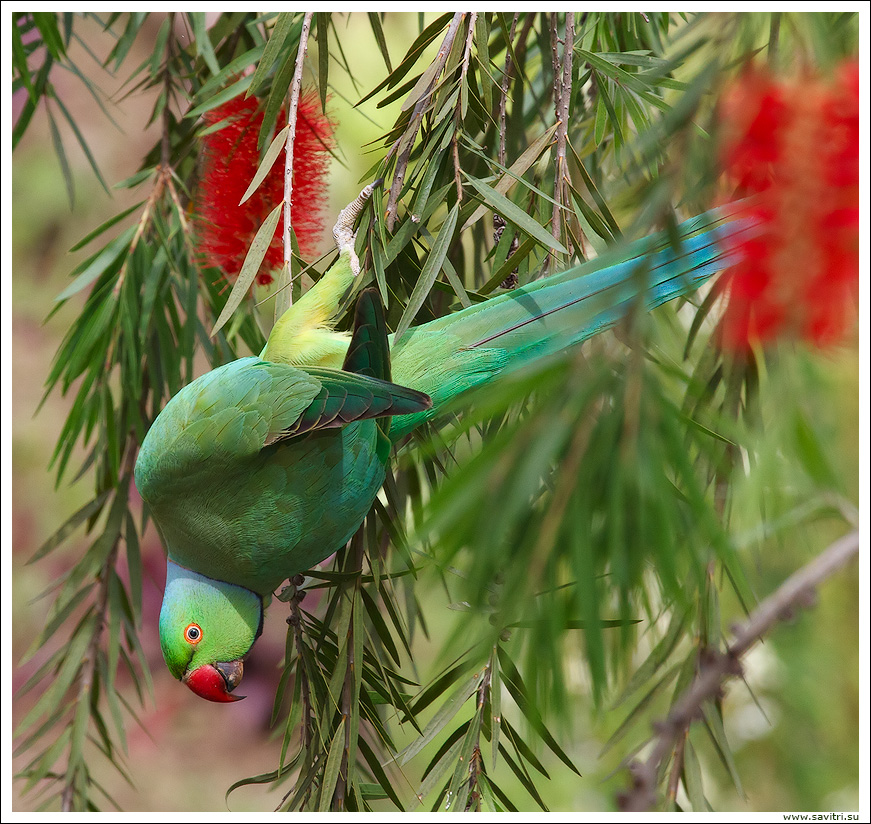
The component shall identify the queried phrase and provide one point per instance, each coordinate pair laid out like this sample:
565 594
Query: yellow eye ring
193 634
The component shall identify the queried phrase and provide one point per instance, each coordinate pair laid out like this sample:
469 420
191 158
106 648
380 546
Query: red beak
216 682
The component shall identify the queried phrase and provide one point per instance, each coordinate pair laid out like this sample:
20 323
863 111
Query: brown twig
283 296
402 147
458 174
295 622
467 52
348 687
89 661
797 591
562 92
164 168
498 221
506 82
458 110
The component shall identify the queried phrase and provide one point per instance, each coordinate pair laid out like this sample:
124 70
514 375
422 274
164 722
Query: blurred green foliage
596 472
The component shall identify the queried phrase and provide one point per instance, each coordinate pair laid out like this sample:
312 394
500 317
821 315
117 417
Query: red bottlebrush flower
230 160
794 148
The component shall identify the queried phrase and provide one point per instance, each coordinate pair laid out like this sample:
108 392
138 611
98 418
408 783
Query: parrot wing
230 414
233 412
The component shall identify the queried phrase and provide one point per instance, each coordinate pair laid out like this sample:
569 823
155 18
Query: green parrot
265 466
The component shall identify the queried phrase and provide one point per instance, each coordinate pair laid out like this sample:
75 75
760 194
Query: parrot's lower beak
215 682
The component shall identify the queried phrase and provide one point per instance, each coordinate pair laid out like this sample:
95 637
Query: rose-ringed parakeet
265 466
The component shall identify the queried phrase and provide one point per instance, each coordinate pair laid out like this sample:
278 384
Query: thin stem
295 622
89 662
167 91
402 147
458 179
284 297
676 768
562 93
797 591
349 697
506 82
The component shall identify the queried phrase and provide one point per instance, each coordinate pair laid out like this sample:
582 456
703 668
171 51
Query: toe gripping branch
343 231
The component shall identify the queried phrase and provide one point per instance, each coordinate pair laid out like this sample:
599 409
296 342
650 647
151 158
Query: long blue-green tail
470 347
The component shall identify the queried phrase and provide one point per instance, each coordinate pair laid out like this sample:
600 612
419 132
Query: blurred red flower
792 147
229 161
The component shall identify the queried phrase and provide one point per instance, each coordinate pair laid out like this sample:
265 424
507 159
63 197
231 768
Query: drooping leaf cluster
577 512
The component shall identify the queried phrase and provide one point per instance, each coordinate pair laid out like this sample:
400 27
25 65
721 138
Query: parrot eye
193 634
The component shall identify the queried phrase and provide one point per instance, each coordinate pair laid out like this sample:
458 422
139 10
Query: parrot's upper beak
215 682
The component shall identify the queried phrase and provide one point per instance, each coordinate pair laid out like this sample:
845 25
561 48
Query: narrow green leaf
30 104
440 720
40 768
62 158
584 215
692 779
274 46
46 22
524 752
429 273
119 52
601 121
423 40
235 67
322 30
19 62
378 32
381 631
250 267
516 171
134 566
71 524
459 787
50 699
482 43
60 612
202 41
511 679
331 770
657 657
456 737
514 214
277 98
104 226
525 779
221 97
714 726
80 138
158 54
511 263
269 159
99 264
378 771
52 662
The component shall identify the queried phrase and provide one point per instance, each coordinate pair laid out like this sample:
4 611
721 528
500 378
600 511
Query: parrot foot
343 231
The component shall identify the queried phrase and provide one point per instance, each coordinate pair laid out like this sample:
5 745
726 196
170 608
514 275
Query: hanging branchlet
498 221
562 88
284 296
419 98
549 456
796 592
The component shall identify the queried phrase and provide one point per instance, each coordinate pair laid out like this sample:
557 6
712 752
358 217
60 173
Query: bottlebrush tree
559 580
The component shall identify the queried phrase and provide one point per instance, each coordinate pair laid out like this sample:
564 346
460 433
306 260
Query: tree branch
562 92
797 591
283 295
406 141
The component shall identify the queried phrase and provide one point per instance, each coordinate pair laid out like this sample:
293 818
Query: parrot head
206 629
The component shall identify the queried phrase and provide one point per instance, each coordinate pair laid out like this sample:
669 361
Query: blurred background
793 726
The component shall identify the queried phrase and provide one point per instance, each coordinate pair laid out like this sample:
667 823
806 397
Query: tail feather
468 348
